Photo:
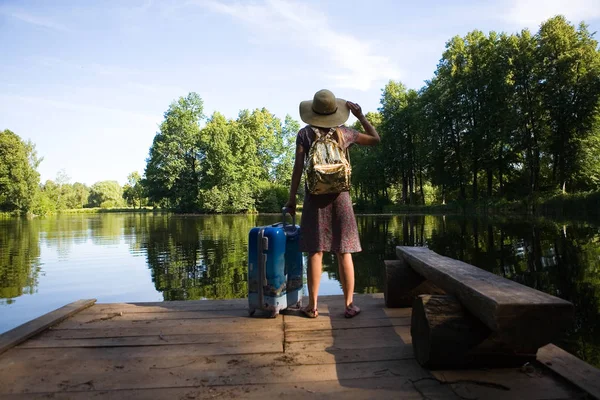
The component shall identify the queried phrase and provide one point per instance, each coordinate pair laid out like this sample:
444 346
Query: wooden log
445 335
29 329
523 318
576 371
403 284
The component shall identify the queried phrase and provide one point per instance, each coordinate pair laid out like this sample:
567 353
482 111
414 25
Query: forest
505 117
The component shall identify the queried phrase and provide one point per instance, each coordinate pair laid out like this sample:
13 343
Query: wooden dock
212 349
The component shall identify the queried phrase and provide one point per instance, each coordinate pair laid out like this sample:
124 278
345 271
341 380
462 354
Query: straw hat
324 110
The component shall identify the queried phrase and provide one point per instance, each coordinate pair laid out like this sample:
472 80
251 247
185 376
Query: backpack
327 168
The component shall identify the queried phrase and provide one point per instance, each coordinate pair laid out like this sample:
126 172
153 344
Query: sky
88 81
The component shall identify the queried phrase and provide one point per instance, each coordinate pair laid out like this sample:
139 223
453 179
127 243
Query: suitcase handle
284 211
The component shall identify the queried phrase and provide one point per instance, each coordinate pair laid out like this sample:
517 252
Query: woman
328 223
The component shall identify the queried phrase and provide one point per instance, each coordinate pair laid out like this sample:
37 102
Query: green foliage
506 116
43 204
270 197
18 175
222 167
106 194
173 169
284 163
133 191
369 170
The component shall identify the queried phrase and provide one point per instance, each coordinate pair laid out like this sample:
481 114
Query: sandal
351 311
310 312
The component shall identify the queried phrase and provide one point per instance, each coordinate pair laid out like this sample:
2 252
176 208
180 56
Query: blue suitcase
274 268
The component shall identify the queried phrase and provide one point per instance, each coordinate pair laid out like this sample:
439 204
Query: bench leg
403 284
445 335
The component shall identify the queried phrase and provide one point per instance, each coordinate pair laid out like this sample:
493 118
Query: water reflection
19 259
142 257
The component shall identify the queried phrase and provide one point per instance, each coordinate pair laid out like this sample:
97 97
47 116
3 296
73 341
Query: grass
585 205
96 210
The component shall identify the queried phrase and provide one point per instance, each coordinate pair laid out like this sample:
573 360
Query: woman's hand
372 137
355 109
291 206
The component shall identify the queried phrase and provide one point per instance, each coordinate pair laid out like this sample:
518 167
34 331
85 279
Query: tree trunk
500 177
490 179
404 189
421 185
411 187
443 193
475 189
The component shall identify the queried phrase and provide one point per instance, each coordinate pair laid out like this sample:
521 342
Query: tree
531 128
79 195
240 160
19 178
106 194
369 180
514 114
285 163
570 64
133 191
173 167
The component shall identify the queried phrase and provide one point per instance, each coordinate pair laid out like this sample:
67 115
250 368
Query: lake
46 263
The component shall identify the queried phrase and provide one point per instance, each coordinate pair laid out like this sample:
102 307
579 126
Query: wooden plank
527 382
214 305
155 340
503 305
362 334
168 307
336 312
172 327
355 323
73 354
99 318
32 362
29 329
369 388
573 369
128 376
370 338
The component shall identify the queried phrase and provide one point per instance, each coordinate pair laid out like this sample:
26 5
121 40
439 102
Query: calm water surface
48 262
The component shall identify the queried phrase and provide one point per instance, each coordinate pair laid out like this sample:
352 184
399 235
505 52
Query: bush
109 204
271 197
42 204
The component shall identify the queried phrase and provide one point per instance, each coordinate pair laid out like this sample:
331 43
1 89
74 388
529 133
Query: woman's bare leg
315 267
346 272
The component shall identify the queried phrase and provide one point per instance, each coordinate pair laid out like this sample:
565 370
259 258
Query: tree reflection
19 258
198 257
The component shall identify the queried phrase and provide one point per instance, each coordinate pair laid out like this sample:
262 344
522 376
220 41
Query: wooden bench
483 319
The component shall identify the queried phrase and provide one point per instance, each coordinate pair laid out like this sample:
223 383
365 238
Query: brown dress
328 222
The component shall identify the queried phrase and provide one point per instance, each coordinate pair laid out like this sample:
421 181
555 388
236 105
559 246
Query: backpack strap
340 132
318 133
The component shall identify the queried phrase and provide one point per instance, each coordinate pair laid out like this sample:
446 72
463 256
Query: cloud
532 13
94 68
34 20
355 64
155 88
44 102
